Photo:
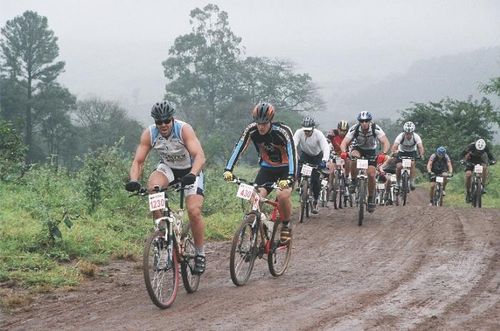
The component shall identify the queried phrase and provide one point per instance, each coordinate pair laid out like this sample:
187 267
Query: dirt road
412 267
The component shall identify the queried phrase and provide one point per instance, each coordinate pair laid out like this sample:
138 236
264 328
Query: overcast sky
114 48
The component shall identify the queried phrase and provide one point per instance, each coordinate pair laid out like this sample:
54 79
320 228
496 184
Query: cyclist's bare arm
421 149
141 154
450 167
344 144
385 144
194 148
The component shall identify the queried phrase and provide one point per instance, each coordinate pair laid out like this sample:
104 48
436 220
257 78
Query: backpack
356 132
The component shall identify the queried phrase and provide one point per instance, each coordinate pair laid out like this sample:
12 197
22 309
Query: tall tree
29 50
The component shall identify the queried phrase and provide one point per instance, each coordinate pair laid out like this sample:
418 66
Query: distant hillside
456 76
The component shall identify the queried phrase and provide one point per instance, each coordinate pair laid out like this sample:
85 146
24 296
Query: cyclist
408 143
440 164
476 153
278 158
335 138
181 159
365 136
314 150
388 166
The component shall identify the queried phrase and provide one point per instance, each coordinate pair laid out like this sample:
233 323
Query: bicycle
168 245
476 189
379 192
361 187
437 198
338 188
305 191
392 196
254 238
405 177
323 193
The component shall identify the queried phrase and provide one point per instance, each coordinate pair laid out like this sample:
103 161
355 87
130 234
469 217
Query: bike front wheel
361 201
243 251
304 200
404 188
279 252
161 270
190 280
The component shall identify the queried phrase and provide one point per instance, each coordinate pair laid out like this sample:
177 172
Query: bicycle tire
190 280
336 191
361 200
243 250
279 254
404 188
303 199
162 281
437 199
478 193
473 196
323 196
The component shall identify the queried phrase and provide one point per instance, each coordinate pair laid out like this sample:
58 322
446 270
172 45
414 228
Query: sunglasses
160 122
364 121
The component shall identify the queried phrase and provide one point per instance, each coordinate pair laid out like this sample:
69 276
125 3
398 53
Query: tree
29 50
103 123
493 87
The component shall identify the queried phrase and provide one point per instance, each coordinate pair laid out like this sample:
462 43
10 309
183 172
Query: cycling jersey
439 164
475 156
276 148
365 140
171 150
312 145
408 145
336 140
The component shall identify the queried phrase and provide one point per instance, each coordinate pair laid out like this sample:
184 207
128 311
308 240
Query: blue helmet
365 116
441 151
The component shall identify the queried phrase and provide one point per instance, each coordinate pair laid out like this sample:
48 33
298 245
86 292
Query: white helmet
409 127
480 144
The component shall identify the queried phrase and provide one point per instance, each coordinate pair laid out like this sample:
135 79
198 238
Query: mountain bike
405 177
392 194
305 191
258 236
361 188
323 193
437 198
168 245
476 188
338 187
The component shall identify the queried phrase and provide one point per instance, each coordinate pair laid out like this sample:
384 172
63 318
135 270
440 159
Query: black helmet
263 112
162 111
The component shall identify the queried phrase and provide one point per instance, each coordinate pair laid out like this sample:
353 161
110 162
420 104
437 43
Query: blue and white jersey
171 149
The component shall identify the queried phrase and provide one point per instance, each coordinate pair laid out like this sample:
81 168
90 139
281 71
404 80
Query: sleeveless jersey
408 145
171 149
365 140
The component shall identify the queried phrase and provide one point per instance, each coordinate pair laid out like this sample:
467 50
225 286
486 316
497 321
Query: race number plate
439 179
478 169
381 186
339 161
245 191
306 170
406 163
394 178
324 182
362 164
156 201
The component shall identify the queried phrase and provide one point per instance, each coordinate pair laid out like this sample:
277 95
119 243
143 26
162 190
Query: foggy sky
114 48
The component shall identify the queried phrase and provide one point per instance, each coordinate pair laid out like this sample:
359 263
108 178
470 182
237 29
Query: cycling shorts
271 175
175 175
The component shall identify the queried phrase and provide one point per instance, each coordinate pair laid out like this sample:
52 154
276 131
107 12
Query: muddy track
412 267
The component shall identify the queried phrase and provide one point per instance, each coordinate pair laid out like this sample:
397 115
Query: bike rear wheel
304 200
243 251
161 271
361 200
279 253
404 187
190 280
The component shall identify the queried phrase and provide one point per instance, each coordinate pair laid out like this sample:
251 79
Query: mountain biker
388 166
181 160
365 136
335 138
314 149
476 153
278 158
408 143
439 164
